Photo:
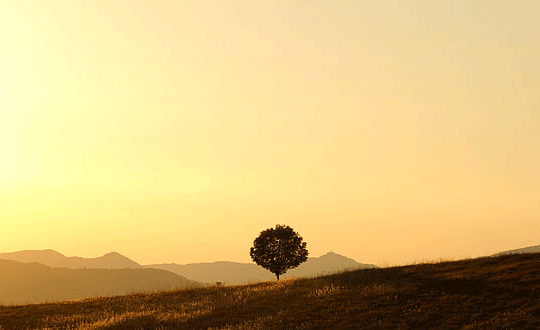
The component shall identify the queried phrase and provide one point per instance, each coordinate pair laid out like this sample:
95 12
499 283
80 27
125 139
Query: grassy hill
486 293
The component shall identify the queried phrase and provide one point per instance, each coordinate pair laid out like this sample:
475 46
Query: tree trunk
277 275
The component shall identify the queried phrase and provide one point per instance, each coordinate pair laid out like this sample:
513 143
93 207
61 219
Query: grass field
485 293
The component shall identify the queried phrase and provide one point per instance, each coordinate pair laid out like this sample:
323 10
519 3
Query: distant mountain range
47 275
529 249
22 283
55 259
232 273
223 271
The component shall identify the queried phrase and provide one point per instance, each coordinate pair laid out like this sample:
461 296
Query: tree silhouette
279 249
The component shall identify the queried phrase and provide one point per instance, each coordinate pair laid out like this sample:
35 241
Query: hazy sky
175 131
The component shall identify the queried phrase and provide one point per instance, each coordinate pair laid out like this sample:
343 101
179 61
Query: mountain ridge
55 259
227 272
37 283
234 273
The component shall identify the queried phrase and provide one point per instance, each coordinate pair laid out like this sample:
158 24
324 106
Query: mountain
326 264
529 249
482 293
238 273
22 283
222 271
55 259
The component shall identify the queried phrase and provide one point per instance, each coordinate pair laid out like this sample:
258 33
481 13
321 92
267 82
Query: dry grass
484 293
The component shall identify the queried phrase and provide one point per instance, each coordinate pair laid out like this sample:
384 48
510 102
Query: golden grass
485 293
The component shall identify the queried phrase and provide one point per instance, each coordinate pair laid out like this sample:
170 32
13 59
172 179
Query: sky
391 132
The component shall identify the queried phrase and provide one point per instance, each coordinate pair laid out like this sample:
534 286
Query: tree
279 249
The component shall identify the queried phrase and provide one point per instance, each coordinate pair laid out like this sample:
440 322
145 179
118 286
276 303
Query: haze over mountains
481 293
238 273
47 275
222 271
22 283
52 258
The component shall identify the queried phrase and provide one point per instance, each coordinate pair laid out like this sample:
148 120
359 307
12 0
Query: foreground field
485 293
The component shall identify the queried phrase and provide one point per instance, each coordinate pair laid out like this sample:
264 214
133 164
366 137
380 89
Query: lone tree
279 249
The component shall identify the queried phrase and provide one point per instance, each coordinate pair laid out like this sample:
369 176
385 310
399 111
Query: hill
485 293
32 282
233 273
54 259
230 273
327 264
529 249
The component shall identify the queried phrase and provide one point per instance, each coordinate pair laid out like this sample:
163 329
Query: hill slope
327 264
53 259
485 293
233 273
32 282
529 249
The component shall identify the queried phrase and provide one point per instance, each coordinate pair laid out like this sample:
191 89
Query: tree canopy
279 249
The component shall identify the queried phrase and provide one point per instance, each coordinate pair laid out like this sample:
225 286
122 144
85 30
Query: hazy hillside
53 258
478 294
227 272
239 273
223 271
326 264
529 249
32 282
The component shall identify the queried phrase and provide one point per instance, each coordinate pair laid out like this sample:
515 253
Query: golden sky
175 131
